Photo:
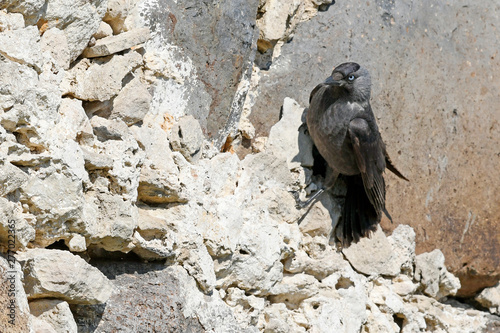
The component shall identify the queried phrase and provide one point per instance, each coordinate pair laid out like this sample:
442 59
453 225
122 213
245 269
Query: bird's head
353 79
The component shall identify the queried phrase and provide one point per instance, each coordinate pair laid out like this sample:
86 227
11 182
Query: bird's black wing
370 158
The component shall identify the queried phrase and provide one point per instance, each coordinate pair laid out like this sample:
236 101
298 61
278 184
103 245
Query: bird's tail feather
358 215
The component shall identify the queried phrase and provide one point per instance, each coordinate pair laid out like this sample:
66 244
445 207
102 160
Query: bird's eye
351 78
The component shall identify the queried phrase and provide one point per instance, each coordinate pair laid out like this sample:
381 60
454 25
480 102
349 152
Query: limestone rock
114 44
132 102
74 122
402 241
117 13
285 142
79 21
55 42
103 31
54 312
432 274
490 298
11 178
382 259
60 274
11 21
186 137
99 79
15 231
13 297
159 179
22 46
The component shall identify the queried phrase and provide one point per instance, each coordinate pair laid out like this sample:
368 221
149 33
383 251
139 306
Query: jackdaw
341 123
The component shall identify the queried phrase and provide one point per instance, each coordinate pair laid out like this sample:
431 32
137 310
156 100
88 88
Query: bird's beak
332 82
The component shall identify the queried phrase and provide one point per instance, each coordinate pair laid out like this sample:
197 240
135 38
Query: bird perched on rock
341 123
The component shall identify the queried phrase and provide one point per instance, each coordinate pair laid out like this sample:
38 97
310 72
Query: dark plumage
341 123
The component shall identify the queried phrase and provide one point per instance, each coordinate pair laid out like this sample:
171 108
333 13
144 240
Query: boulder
60 274
54 312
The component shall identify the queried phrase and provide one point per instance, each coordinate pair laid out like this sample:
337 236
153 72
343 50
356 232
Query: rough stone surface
99 79
113 44
22 46
186 137
490 298
132 102
56 313
60 274
427 127
13 298
208 80
435 279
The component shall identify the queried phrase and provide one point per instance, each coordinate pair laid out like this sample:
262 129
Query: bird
343 128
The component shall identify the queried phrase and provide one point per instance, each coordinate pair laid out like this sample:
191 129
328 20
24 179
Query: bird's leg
331 179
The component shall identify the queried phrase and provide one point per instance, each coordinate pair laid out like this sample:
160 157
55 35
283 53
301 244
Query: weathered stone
30 9
114 44
15 231
432 274
60 274
132 102
109 129
54 41
104 30
408 40
99 79
56 313
402 240
382 259
41 326
209 80
11 178
490 298
285 142
114 224
15 315
116 14
74 122
79 20
159 179
22 46
186 137
149 299
11 21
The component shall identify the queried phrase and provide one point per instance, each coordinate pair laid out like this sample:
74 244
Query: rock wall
125 207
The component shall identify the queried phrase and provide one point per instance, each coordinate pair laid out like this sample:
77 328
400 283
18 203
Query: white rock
382 259
159 178
114 222
114 44
247 309
132 102
60 274
187 137
403 244
293 289
73 122
287 138
212 313
22 46
11 21
104 30
99 79
436 281
55 42
13 297
77 243
78 19
490 298
117 12
55 312
277 318
14 224
57 198
41 326
11 178
403 285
